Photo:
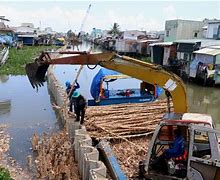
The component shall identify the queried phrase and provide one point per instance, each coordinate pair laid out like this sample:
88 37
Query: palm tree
115 30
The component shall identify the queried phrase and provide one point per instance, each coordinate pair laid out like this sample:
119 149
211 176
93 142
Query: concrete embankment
86 156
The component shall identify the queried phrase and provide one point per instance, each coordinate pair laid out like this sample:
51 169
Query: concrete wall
86 156
183 29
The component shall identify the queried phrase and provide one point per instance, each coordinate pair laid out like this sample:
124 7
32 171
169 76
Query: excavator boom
153 74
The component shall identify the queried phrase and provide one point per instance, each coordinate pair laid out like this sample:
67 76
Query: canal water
26 111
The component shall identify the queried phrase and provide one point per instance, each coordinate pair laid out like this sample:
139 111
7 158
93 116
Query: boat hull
122 100
4 56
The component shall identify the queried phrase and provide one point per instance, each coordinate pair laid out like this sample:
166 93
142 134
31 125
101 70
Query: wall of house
212 30
132 34
166 55
204 58
183 29
217 59
170 30
126 46
189 30
27 40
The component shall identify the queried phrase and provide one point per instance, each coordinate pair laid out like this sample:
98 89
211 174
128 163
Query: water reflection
4 78
204 100
5 107
30 112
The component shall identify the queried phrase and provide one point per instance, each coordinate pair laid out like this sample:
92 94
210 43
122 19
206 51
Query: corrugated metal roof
162 44
149 40
214 47
208 51
27 35
204 42
188 41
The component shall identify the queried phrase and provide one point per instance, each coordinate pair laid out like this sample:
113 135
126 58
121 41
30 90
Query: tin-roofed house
185 49
27 33
162 52
206 66
128 44
143 46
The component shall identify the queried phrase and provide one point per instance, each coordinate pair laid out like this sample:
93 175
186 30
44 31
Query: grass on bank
4 174
146 59
18 58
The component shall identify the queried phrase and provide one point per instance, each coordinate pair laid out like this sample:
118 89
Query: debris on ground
54 157
8 163
129 156
128 127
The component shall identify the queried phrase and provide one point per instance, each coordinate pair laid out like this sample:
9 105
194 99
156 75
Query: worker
68 88
177 147
79 103
147 89
175 150
127 92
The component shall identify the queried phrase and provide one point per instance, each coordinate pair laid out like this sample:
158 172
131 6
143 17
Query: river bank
18 58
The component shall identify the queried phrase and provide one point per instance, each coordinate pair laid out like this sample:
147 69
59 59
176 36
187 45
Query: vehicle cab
200 158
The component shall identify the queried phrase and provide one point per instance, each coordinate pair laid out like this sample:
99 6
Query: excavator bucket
36 71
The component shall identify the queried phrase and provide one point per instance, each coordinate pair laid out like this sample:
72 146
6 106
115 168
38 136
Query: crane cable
84 20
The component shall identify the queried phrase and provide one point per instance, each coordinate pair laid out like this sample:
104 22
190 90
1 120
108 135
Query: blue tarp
95 86
6 39
2 40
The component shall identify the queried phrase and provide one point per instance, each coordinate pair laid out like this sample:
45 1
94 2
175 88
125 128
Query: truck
201 158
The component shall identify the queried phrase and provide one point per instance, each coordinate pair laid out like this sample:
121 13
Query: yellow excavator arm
153 74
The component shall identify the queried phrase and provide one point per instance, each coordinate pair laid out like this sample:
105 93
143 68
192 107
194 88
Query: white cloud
55 17
61 19
169 12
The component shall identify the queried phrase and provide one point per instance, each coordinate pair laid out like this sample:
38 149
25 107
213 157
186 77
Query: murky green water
27 111
204 100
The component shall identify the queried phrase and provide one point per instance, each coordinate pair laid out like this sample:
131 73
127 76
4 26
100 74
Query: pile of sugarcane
124 120
55 158
128 127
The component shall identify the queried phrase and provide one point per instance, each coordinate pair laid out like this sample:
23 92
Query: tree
115 30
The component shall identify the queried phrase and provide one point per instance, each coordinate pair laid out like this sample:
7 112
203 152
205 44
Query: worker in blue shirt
175 150
68 88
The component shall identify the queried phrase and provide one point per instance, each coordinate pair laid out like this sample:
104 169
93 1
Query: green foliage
18 58
4 174
115 30
146 59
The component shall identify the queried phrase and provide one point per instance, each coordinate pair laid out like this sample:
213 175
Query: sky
141 15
